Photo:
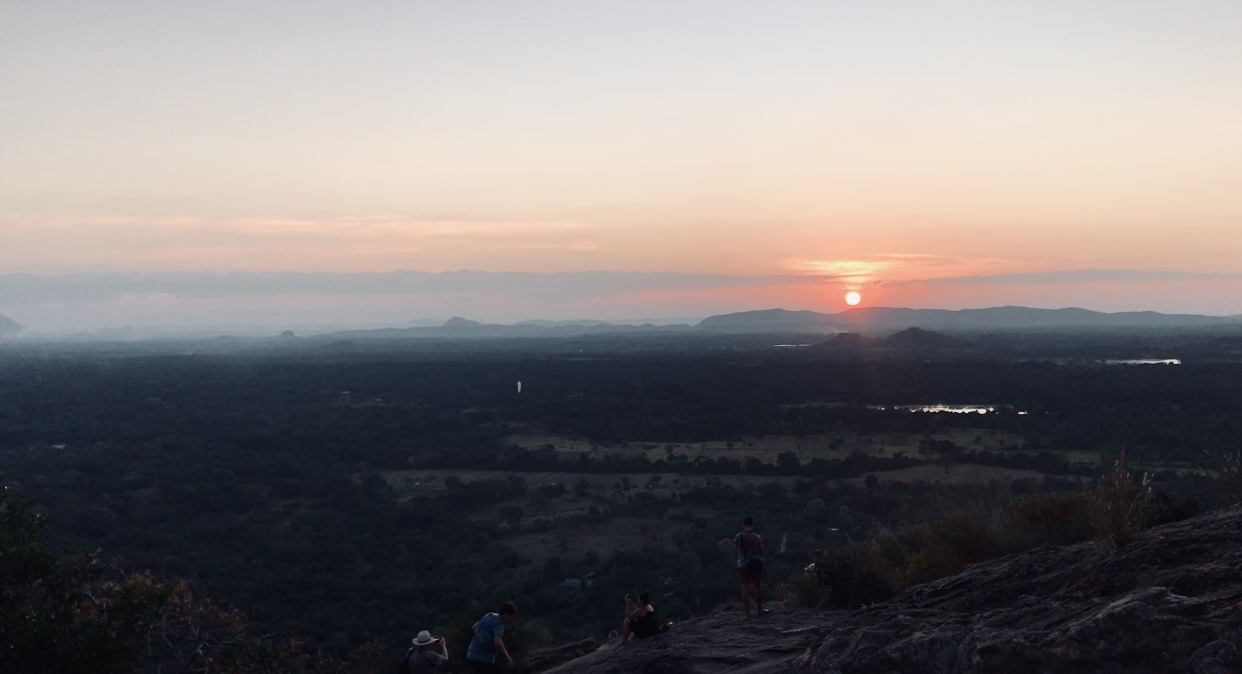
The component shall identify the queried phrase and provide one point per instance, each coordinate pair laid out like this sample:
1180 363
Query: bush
71 615
1048 519
945 546
1118 509
805 589
876 569
855 575
1230 473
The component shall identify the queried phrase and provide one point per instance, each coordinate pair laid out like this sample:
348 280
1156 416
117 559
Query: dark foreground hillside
1168 602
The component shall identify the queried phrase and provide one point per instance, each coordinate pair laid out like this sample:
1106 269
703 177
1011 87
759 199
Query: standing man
749 547
487 643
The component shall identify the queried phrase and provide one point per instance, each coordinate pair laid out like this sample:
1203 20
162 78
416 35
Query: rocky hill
10 327
1167 602
918 338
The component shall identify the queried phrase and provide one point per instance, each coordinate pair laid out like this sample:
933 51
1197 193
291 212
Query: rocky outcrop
1167 602
545 659
725 641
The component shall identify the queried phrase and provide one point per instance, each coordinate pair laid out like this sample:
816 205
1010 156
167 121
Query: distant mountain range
886 320
467 329
869 321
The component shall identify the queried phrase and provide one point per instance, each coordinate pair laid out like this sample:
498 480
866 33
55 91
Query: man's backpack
648 625
405 662
421 664
748 546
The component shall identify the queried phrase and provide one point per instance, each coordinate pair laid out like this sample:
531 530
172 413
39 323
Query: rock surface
1168 602
726 641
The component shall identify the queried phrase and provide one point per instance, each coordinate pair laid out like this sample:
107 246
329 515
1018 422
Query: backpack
426 666
648 625
753 564
405 662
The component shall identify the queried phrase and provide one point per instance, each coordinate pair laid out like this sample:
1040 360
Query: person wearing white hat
427 654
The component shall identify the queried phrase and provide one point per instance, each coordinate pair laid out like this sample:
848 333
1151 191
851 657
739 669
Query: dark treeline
385 411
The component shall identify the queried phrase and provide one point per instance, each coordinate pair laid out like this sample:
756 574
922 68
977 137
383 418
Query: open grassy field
767 448
613 486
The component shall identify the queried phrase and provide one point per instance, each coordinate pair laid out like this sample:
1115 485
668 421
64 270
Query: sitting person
640 619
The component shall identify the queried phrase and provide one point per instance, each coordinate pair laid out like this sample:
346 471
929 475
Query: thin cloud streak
896 267
182 243
551 286
1089 276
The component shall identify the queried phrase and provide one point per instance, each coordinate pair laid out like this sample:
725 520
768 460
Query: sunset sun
852 298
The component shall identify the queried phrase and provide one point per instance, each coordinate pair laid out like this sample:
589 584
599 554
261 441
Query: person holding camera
427 654
749 547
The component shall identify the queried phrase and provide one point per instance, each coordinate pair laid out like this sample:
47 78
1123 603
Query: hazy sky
947 154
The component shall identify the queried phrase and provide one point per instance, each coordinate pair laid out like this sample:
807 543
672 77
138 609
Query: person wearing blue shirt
488 644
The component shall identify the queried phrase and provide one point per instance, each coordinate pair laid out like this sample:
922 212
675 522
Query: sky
666 159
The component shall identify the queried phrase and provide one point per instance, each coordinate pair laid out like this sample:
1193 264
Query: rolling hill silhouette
10 327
